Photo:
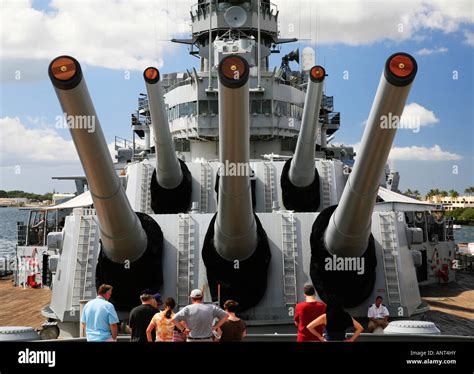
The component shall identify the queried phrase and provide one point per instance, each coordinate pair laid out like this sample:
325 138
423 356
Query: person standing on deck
141 316
306 312
198 318
234 329
337 321
99 318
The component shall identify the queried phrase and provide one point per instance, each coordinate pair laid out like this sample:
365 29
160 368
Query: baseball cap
196 293
157 297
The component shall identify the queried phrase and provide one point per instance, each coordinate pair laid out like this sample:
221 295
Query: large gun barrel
302 171
235 235
169 174
300 190
349 228
121 233
171 184
236 250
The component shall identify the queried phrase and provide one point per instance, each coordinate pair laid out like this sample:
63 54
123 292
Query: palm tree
417 194
431 193
443 193
469 190
454 194
413 194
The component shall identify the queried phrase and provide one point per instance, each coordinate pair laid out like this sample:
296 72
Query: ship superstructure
231 184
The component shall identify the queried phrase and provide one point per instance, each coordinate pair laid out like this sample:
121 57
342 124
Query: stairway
185 267
206 172
269 180
145 201
289 252
84 283
326 184
390 253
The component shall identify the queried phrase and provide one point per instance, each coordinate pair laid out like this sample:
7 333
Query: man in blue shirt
99 318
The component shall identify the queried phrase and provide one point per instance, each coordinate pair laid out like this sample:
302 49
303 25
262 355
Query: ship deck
22 306
451 305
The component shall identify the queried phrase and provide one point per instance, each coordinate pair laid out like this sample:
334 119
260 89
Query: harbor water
8 235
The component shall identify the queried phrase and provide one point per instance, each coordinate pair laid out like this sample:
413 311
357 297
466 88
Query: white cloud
428 52
415 116
124 34
469 38
416 153
117 34
359 22
35 145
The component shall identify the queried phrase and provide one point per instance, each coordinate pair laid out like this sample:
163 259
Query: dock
22 306
451 305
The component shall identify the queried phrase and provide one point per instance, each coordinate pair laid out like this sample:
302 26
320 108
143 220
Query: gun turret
171 181
345 230
236 250
126 238
299 178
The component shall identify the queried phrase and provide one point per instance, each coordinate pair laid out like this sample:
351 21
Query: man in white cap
199 318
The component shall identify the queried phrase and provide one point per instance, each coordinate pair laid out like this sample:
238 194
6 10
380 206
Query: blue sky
33 102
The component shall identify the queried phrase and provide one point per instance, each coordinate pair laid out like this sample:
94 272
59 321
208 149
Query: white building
451 203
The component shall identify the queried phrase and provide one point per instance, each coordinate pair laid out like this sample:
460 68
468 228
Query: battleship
231 184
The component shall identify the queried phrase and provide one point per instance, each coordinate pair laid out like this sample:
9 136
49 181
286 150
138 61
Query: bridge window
255 106
203 107
181 110
182 145
267 107
213 107
284 109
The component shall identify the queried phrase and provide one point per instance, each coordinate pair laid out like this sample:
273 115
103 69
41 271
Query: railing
201 8
143 102
328 103
177 83
333 118
268 7
449 233
122 143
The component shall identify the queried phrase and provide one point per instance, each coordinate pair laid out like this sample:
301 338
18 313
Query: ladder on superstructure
326 184
289 253
145 201
269 179
205 186
185 267
390 253
83 281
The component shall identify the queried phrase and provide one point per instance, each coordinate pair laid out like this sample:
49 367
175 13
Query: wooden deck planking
22 306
